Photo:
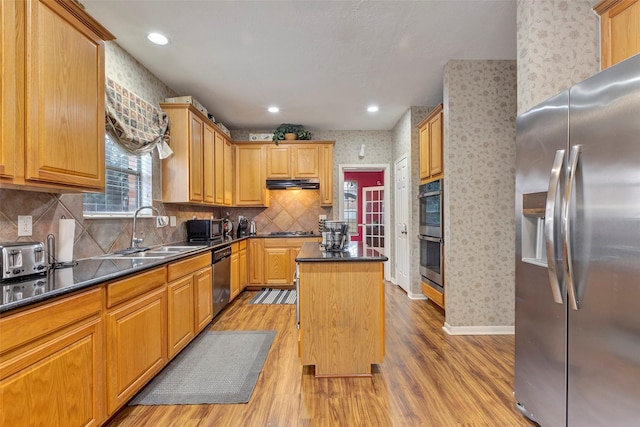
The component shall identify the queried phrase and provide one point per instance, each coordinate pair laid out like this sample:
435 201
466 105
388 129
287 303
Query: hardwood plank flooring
428 378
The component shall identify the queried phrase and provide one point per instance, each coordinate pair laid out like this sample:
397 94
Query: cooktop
292 233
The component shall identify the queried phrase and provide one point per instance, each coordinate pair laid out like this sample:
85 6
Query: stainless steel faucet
135 241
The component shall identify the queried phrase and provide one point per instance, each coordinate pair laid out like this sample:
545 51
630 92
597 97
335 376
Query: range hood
285 184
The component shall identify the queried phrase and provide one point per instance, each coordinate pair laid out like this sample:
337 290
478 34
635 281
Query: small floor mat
275 296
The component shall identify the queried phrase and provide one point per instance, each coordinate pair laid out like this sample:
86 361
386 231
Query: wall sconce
361 153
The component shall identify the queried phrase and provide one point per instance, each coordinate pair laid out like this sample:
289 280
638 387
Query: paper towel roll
66 234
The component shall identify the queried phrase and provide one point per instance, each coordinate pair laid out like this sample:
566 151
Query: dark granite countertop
90 272
355 251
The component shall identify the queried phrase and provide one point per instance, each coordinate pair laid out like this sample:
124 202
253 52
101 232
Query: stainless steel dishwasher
221 278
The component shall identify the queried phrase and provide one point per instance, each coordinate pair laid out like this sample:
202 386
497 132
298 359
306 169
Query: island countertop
354 252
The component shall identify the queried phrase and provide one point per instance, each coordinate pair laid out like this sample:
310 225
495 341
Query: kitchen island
341 309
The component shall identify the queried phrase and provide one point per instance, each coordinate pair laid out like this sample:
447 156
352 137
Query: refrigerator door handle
566 229
549 225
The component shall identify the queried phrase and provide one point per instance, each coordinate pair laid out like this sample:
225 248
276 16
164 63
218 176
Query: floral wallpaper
558 46
479 159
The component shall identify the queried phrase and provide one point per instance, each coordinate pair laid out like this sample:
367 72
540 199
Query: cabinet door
326 174
228 173
196 173
180 314
305 161
65 99
242 261
10 101
424 152
250 176
435 146
279 161
203 294
136 346
219 169
235 275
277 266
256 261
620 30
62 383
209 164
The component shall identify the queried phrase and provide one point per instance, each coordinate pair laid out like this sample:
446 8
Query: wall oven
430 237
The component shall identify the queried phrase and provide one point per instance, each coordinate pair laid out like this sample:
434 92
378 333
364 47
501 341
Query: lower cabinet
180 314
136 345
255 268
235 271
242 264
52 372
203 295
279 259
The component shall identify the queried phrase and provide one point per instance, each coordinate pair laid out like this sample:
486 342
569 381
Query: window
128 184
351 205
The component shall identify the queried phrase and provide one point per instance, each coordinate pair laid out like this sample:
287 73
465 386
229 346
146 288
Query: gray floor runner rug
216 367
274 296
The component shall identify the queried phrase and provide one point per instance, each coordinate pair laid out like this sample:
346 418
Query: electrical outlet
162 221
24 225
172 221
321 217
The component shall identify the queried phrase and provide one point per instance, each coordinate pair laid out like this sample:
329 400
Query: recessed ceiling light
372 109
158 38
273 109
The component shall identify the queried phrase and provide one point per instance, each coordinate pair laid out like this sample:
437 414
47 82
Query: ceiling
321 62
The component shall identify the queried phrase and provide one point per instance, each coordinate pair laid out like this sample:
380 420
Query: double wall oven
431 222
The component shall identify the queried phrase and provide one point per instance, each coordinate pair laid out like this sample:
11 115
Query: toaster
22 259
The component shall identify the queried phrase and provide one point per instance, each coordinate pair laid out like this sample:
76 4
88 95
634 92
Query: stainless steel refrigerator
577 308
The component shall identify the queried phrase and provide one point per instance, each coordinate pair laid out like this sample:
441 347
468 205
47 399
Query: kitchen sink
160 252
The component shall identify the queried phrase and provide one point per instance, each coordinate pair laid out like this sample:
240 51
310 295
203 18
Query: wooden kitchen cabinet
203 295
431 146
228 173
136 331
189 299
296 161
619 30
219 168
250 175
208 156
183 172
242 263
235 271
52 99
277 262
279 161
255 261
325 172
180 314
53 369
279 259
197 171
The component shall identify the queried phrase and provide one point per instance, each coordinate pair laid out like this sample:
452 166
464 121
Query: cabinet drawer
433 295
31 324
135 285
188 266
242 244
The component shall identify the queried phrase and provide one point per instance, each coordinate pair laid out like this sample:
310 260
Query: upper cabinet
431 145
325 153
250 175
199 171
293 161
619 30
51 97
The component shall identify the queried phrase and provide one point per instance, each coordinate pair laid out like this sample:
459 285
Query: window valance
136 125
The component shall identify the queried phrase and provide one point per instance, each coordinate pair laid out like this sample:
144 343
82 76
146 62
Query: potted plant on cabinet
289 131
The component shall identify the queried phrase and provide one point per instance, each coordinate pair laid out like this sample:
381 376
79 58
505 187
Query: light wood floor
428 378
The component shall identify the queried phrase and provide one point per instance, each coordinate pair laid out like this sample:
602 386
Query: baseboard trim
478 330
417 296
